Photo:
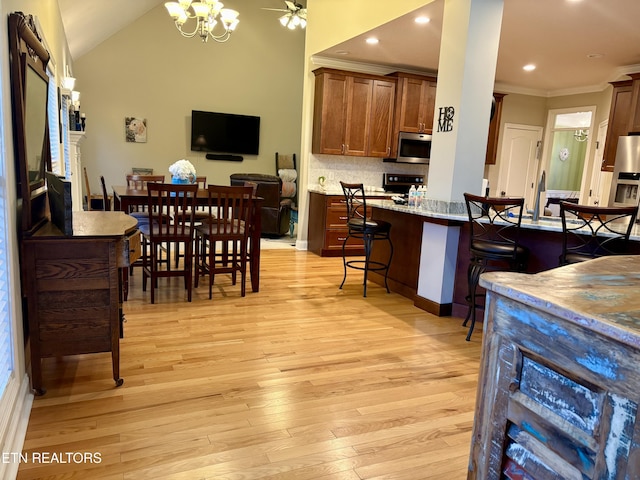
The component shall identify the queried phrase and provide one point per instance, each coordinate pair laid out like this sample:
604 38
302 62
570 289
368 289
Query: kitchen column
466 76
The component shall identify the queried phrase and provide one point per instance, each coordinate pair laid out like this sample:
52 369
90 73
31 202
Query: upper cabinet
353 114
494 130
416 103
634 118
619 120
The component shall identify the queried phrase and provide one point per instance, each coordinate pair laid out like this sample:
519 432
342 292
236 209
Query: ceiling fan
295 16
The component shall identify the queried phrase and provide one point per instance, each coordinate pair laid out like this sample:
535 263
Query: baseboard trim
16 408
439 309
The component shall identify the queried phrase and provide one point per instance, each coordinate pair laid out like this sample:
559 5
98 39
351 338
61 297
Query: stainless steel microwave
414 148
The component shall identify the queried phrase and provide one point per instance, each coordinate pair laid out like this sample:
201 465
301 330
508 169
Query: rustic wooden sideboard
559 384
73 290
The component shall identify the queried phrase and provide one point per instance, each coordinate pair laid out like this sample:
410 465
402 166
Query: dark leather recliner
276 210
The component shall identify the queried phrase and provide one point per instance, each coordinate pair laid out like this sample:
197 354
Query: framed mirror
29 94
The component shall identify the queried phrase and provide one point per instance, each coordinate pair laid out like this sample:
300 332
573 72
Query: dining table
126 199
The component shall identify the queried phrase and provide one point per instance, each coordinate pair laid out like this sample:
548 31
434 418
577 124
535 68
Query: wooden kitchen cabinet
619 121
416 96
494 130
634 114
353 114
328 226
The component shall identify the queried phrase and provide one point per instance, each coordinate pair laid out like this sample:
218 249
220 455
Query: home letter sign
445 119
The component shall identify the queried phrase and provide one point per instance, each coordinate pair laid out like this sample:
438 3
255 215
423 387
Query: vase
178 180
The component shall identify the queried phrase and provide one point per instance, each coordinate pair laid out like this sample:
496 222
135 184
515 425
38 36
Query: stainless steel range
400 182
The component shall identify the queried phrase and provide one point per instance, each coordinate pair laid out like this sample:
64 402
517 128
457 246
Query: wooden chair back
106 198
229 211
139 182
592 232
494 224
93 201
168 200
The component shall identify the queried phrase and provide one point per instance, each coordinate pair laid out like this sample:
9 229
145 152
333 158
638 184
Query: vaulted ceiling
576 45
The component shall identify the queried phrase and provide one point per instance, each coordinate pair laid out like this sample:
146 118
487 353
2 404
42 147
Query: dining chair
139 182
590 232
94 201
106 198
175 201
494 227
221 242
361 226
200 214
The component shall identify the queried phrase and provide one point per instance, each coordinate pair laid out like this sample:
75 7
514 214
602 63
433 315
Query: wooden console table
559 386
73 289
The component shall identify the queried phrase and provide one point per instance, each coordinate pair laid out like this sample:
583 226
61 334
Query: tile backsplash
365 170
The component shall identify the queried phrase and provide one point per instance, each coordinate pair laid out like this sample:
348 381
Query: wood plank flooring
299 381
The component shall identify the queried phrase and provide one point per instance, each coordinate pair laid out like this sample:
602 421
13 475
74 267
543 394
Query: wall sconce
75 99
68 83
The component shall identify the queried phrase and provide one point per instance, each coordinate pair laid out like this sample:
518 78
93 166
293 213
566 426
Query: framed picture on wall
135 129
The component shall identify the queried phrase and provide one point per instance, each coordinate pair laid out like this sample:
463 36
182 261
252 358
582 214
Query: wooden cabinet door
618 121
411 105
417 105
381 127
494 131
356 137
330 113
428 106
634 117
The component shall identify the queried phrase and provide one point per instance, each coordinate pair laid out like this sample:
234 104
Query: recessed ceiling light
529 68
372 41
422 20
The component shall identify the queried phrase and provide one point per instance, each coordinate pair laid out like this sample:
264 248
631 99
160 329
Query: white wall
149 70
15 404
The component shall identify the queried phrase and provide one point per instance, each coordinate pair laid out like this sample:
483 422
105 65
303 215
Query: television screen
224 133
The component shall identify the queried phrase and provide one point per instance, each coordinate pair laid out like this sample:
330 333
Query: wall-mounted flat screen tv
224 133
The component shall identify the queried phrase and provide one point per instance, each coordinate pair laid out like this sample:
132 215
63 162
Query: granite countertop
434 210
600 294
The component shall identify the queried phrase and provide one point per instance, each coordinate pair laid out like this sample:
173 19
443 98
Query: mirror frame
26 50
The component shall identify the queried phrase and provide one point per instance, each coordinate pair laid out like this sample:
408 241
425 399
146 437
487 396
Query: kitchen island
559 387
413 231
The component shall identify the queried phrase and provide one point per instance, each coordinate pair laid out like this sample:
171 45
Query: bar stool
362 227
494 226
590 232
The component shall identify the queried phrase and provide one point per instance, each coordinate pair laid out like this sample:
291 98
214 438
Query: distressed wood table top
602 294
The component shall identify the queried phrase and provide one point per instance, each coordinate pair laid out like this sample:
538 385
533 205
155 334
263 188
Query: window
54 125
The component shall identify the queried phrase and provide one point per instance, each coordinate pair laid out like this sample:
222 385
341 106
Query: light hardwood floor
299 381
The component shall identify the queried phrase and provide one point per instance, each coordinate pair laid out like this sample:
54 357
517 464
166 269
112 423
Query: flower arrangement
183 169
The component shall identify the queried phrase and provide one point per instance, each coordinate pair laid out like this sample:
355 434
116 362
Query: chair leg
386 271
344 261
367 254
475 269
188 268
212 264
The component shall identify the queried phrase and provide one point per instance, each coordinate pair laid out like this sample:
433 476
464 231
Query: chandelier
581 135
206 13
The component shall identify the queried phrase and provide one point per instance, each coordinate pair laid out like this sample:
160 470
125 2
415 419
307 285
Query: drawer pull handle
342 239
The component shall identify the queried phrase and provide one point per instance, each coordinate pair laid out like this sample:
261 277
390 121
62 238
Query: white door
518 156
596 193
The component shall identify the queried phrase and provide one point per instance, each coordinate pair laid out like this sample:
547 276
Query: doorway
567 146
